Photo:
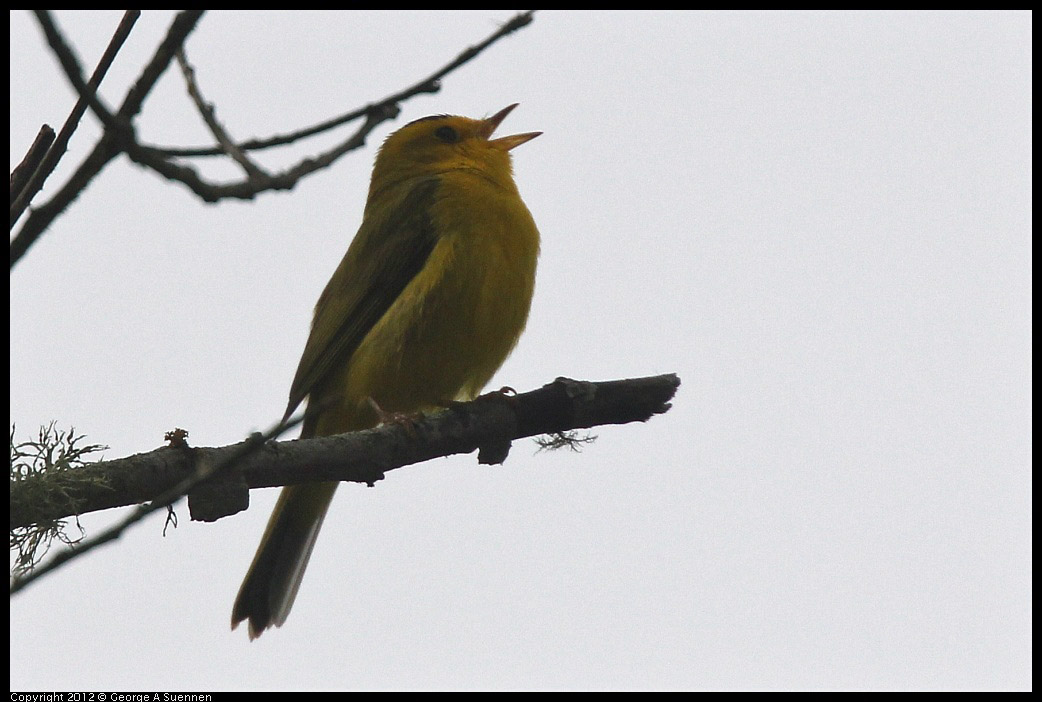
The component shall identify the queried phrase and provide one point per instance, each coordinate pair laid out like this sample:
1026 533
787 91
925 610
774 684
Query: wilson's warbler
429 300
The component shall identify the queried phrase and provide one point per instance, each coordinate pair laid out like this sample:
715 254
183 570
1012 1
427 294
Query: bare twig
119 135
209 115
24 170
374 114
247 190
87 96
108 146
175 38
430 84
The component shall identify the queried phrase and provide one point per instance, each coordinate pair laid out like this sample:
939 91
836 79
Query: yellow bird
426 304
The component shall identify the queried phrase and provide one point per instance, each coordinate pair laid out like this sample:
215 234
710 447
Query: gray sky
821 222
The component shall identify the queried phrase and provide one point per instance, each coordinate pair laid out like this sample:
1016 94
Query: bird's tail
271 584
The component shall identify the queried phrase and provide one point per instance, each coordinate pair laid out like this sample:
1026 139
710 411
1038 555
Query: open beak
508 142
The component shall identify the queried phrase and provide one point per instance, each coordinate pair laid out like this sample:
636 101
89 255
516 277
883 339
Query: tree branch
119 136
430 84
23 171
87 93
374 114
209 114
165 499
488 424
107 147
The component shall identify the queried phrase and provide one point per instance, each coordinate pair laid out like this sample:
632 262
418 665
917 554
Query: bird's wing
388 251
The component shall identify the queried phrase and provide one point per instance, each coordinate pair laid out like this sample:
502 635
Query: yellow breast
459 318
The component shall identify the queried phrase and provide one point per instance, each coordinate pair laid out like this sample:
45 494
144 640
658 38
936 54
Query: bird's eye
446 134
